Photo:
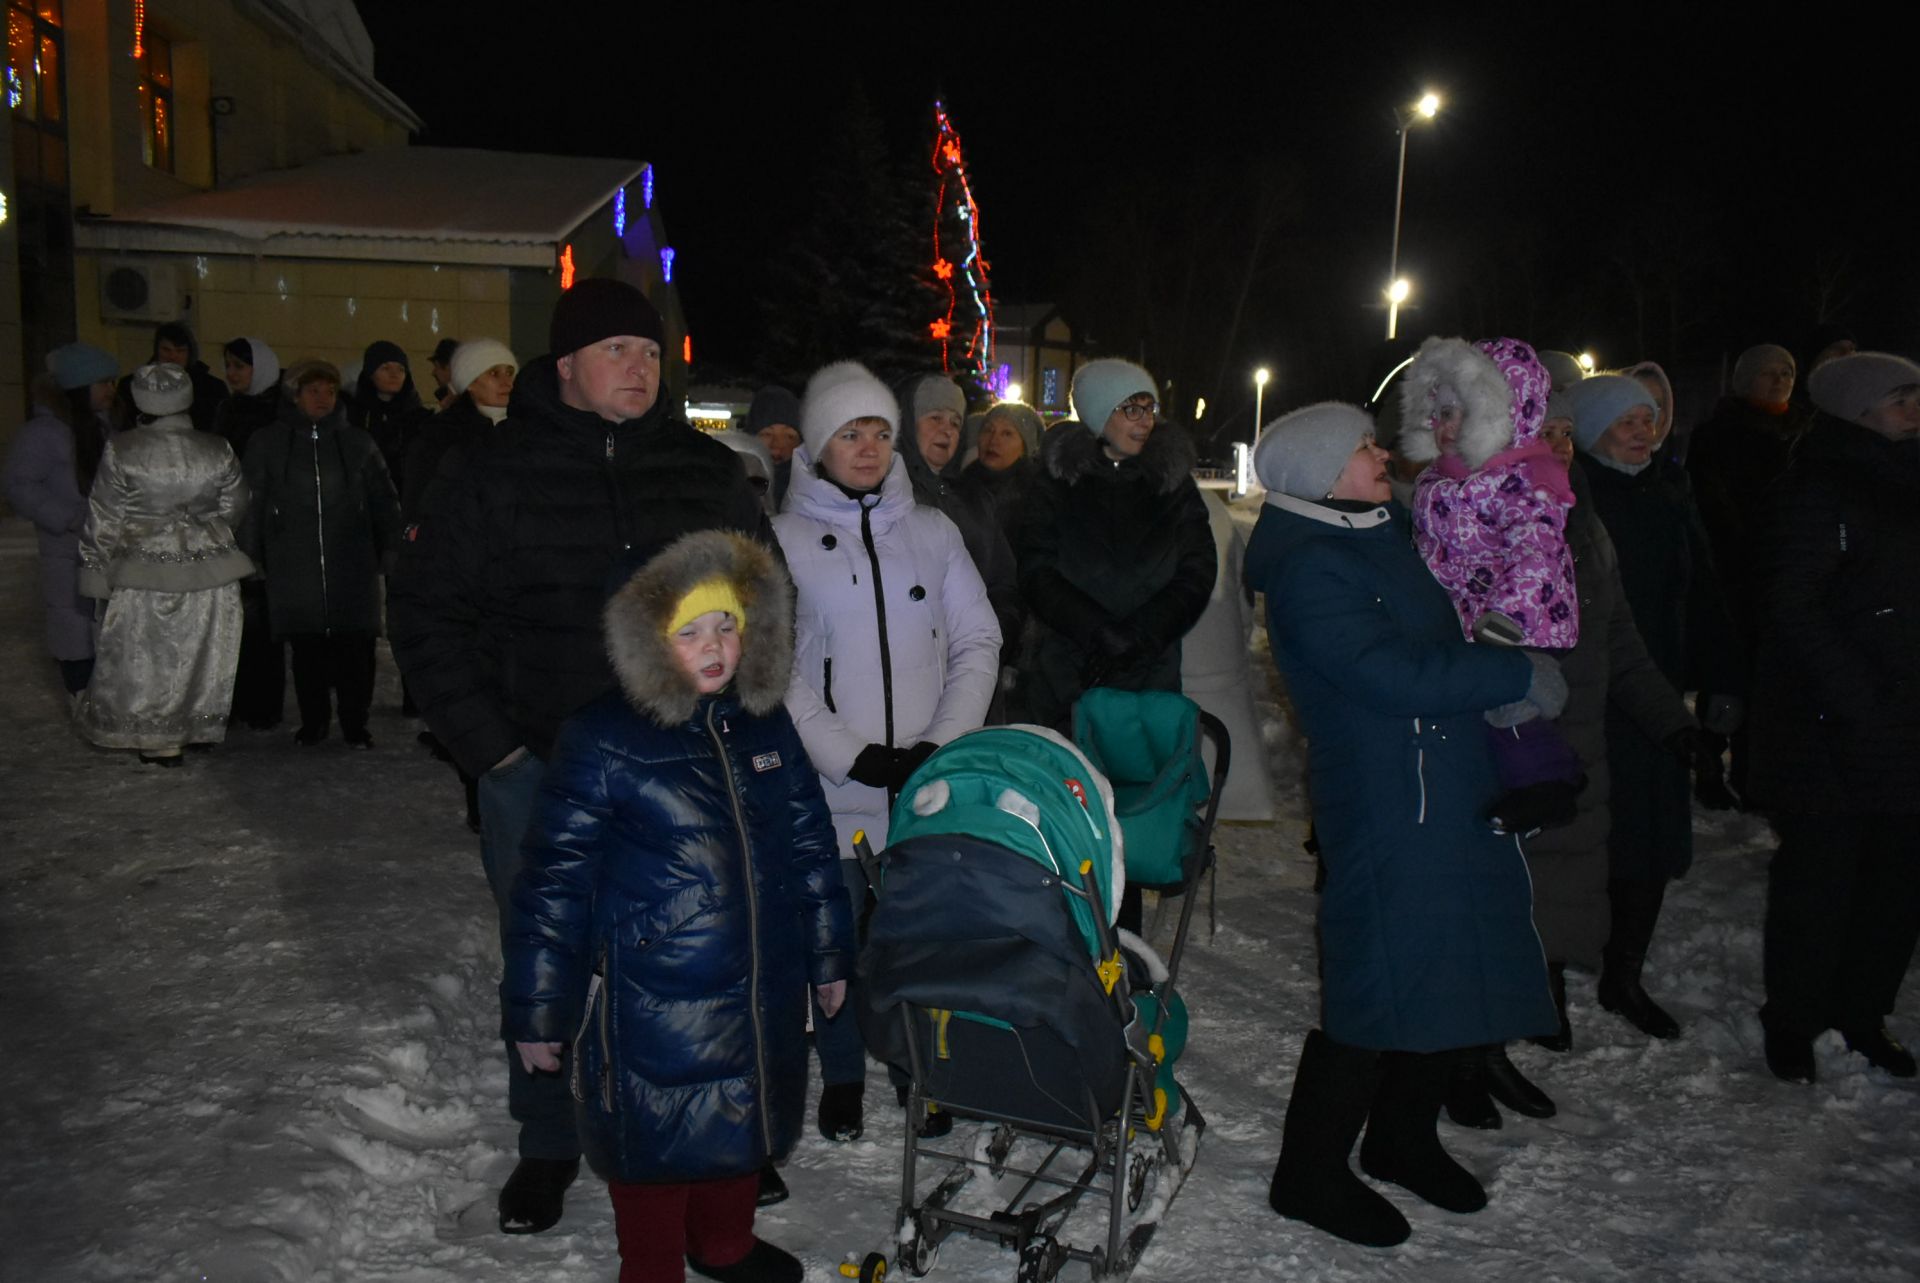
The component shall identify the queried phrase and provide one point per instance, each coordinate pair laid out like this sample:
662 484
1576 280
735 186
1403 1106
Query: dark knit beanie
773 404
180 334
599 308
379 352
443 351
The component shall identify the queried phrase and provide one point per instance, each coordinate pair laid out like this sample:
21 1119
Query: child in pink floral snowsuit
1490 520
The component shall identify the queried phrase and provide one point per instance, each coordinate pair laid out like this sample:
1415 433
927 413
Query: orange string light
566 268
139 28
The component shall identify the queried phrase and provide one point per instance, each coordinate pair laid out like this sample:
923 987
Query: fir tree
854 282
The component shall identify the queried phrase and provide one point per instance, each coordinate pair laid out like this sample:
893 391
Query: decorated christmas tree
965 330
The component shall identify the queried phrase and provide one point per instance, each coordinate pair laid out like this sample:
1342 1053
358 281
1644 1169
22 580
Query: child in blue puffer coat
679 892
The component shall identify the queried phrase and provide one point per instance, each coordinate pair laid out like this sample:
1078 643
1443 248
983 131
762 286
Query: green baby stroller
994 979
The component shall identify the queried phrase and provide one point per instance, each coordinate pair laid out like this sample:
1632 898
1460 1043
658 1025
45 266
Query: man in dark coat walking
496 605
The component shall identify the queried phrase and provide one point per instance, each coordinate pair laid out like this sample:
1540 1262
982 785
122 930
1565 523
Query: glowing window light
566 267
646 187
620 212
666 262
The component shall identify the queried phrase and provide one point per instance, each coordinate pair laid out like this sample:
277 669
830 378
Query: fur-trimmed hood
636 620
1073 453
1503 392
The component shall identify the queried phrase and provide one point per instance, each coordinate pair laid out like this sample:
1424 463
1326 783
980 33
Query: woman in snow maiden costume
1836 719
677 896
1489 518
895 651
1426 930
159 549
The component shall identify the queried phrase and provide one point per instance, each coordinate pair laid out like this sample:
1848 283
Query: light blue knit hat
1100 386
1596 402
75 365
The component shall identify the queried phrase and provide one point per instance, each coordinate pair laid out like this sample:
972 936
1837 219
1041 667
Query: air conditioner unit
134 291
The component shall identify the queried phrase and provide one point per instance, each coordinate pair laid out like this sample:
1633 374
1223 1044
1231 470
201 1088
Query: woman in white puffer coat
896 650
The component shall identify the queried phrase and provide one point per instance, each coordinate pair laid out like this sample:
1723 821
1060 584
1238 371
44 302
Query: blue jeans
541 1103
843 1056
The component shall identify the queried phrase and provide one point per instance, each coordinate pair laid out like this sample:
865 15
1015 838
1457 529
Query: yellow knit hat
708 595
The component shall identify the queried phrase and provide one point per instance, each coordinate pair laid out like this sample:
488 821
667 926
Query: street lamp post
1260 377
1426 109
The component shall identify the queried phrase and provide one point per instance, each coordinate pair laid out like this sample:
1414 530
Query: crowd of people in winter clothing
677 673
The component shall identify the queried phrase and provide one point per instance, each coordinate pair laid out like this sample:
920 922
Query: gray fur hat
1100 386
637 616
162 389
1848 386
1563 368
1025 420
1303 453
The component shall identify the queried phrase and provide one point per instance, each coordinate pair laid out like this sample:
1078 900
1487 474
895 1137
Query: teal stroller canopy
1027 789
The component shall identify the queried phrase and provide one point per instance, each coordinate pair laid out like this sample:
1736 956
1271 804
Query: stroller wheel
1040 1260
919 1255
1138 1165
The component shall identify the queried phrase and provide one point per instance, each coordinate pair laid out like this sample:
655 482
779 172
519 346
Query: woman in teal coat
1426 931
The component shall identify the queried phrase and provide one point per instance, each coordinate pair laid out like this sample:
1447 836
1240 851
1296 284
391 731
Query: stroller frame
1118 1163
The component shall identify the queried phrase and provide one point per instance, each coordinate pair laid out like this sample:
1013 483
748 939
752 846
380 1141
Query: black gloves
1532 807
874 766
1115 647
881 767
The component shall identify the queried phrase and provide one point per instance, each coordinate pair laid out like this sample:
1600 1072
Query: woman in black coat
386 406
323 526
1666 569
1116 555
1836 719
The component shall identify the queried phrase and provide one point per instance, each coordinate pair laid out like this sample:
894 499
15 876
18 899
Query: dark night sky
1737 159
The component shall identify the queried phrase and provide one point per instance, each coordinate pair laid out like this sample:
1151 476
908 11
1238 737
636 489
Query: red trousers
658 1226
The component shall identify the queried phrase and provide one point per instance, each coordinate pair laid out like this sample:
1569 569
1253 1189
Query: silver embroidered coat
159 547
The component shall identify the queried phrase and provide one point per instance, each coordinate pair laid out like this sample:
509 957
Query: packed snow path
250 1019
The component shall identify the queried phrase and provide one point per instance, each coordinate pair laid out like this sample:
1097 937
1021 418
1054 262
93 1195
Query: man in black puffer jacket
495 609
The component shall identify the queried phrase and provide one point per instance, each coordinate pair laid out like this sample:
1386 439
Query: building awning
451 205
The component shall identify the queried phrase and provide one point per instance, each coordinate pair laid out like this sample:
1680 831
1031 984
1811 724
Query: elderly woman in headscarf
1836 719
1738 460
1667 571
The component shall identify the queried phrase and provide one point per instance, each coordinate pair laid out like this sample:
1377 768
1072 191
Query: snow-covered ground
249 1015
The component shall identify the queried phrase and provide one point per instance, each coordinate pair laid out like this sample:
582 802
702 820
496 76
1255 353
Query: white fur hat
1849 386
838 394
162 389
474 358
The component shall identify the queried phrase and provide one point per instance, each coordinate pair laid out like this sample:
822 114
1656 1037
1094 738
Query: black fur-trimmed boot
1402 1146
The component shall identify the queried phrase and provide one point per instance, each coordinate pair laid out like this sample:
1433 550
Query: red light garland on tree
975 323
566 268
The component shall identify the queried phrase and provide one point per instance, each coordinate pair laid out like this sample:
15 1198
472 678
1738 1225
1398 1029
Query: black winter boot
772 1188
765 1263
535 1195
1881 1049
1468 1101
1401 1145
1561 1039
1510 1087
842 1114
1636 912
1313 1182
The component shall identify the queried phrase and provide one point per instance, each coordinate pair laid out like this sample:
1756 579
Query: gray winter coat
1570 865
42 488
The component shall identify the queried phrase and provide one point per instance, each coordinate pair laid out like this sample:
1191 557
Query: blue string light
646 187
620 212
666 262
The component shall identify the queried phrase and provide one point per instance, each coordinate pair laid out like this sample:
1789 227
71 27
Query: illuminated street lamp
1426 109
1396 295
1586 361
1260 377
